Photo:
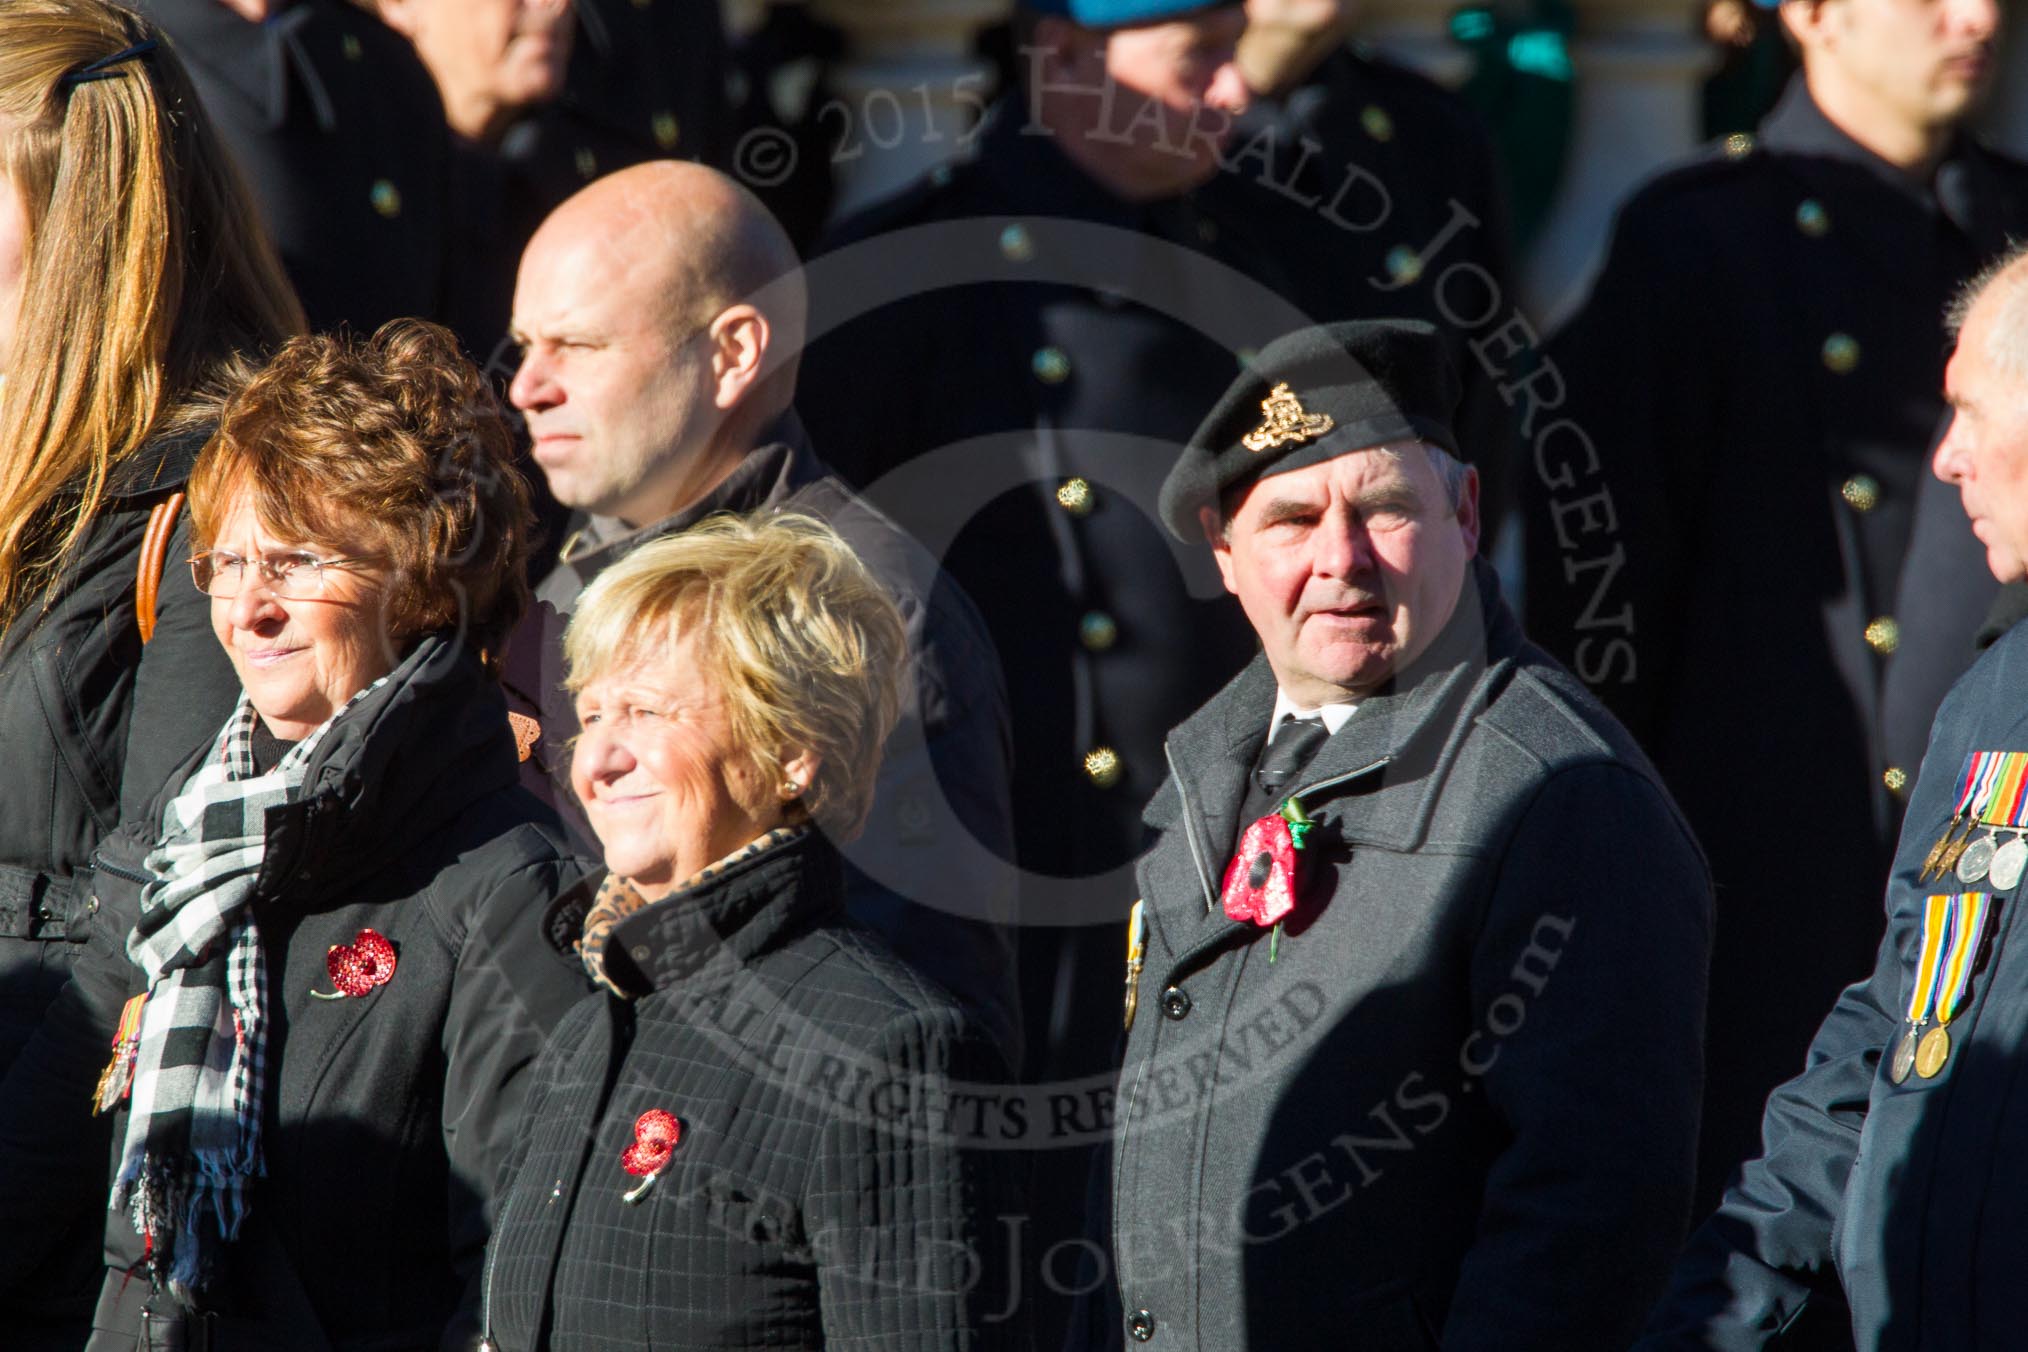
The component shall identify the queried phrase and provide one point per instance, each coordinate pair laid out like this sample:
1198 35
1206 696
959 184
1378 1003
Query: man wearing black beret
1415 992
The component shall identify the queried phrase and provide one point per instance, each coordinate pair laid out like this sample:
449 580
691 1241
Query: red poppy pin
1260 882
656 1133
358 967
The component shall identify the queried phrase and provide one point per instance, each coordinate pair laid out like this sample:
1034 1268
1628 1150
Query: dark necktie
1295 744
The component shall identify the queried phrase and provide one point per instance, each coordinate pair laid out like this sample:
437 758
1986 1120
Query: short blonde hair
806 647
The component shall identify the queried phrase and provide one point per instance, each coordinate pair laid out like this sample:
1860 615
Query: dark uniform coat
818 1195
1455 1104
1912 1198
929 873
93 723
389 1117
337 126
1720 525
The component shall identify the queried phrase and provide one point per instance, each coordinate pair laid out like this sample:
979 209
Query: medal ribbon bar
1968 927
1938 916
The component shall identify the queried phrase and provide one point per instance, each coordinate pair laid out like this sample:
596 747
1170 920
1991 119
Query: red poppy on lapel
655 1136
1260 883
360 966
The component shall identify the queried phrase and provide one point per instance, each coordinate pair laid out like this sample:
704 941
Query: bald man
660 313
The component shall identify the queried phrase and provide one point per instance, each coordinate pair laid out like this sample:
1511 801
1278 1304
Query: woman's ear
799 775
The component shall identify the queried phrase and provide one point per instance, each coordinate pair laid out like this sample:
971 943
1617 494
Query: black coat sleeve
1590 972
510 989
53 1150
904 1220
1759 1260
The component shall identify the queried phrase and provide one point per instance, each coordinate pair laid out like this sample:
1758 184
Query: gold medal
1137 945
1936 851
1932 1052
1903 1060
1949 862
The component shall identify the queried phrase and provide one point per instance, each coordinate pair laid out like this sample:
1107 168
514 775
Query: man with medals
1891 1188
1415 985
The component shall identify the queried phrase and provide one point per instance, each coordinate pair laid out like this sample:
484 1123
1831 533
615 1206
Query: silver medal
2010 861
1977 858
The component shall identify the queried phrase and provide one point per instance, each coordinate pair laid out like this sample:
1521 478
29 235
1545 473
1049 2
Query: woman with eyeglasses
318 966
131 267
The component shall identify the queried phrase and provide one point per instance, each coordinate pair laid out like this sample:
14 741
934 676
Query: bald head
661 315
686 239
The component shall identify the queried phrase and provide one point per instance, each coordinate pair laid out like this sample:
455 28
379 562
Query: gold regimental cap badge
1287 423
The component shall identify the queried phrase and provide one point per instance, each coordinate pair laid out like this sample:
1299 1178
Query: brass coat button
1883 635
386 198
1377 123
668 131
1811 218
1738 145
1861 492
1102 765
1098 631
1076 497
1052 366
1016 244
1841 353
1896 780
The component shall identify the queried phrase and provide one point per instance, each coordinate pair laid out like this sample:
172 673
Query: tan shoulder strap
154 554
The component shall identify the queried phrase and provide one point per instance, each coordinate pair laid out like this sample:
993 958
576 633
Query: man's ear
1804 21
739 349
1219 538
400 15
1468 510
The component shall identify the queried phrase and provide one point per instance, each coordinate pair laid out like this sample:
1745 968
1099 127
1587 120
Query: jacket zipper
1190 832
486 1342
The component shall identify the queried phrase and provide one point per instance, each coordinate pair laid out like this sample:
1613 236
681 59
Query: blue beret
1313 395
1120 13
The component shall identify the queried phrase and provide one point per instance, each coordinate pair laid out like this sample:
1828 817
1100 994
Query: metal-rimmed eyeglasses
293 576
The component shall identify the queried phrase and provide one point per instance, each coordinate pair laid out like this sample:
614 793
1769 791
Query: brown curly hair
393 445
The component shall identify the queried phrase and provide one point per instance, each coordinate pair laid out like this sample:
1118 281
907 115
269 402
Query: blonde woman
131 267
753 1136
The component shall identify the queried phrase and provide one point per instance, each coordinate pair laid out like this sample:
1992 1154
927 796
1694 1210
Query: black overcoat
92 723
389 1117
1735 539
1909 1199
822 1193
1455 1103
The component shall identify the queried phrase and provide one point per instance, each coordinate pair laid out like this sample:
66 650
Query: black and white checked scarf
193 1136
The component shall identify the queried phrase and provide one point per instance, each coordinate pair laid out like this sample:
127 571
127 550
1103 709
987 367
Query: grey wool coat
1456 1103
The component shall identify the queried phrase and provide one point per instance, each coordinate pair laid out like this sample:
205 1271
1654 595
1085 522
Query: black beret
1311 396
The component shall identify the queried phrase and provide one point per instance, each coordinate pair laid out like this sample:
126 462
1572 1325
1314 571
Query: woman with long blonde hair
132 270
